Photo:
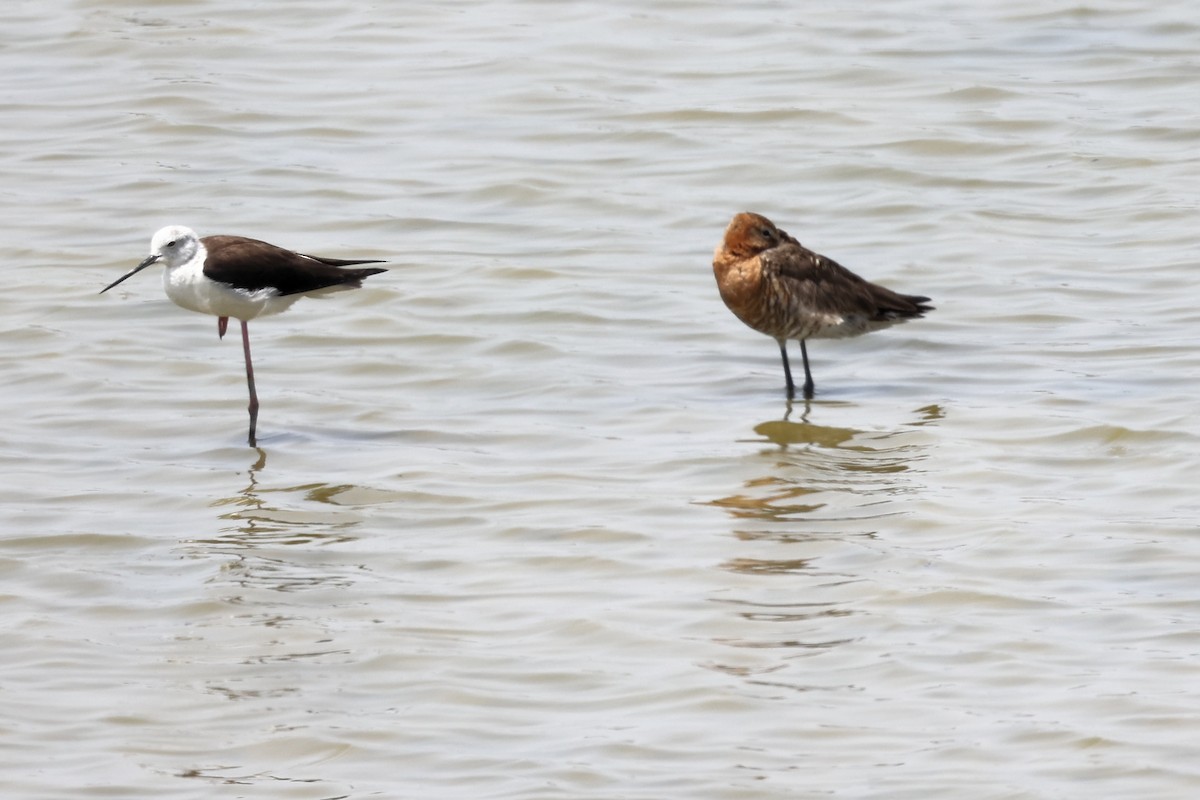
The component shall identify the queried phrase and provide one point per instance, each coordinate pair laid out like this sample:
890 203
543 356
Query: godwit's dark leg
787 368
222 325
250 381
808 381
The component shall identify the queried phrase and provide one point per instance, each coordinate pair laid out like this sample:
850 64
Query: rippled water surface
530 516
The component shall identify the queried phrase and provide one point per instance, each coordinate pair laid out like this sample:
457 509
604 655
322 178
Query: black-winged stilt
232 276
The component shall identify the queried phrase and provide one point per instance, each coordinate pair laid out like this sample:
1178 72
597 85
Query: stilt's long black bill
149 260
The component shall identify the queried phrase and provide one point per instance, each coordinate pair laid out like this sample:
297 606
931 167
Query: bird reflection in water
260 525
276 570
808 524
826 476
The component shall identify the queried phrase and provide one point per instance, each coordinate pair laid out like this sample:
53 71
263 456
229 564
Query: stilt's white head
174 246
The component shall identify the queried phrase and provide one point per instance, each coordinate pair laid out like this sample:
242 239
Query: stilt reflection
268 533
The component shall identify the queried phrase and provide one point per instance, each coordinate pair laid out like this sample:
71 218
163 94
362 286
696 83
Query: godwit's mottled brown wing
251 264
824 286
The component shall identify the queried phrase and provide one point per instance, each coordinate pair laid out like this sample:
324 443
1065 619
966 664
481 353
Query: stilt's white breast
188 287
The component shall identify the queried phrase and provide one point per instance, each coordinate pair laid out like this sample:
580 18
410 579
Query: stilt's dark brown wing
251 265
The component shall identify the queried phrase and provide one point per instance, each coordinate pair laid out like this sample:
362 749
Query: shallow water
530 516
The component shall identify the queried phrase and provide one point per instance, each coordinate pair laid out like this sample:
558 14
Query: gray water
530 516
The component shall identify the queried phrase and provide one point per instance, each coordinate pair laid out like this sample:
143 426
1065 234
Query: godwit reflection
809 525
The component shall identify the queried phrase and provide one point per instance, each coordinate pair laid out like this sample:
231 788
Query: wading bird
232 276
779 287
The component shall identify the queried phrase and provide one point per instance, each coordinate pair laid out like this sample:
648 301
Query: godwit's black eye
767 233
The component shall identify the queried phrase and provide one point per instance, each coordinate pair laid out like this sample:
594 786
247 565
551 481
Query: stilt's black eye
171 243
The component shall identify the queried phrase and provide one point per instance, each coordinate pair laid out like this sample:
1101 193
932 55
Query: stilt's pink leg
249 380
